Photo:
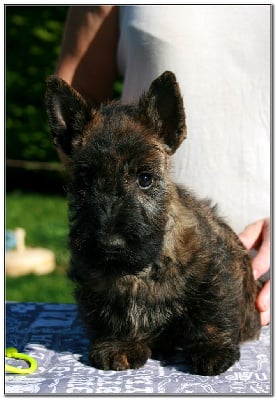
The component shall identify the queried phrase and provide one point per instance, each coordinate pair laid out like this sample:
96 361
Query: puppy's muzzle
112 243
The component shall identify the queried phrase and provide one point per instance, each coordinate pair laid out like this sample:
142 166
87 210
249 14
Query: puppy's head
117 156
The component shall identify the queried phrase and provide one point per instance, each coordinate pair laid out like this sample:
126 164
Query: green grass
44 217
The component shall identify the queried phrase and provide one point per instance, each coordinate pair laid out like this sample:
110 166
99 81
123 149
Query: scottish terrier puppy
154 267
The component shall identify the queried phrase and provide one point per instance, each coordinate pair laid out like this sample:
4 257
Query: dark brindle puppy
154 267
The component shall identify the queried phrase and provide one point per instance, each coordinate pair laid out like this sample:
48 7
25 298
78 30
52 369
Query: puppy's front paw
118 356
214 361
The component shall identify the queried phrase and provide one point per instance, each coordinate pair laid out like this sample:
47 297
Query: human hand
256 236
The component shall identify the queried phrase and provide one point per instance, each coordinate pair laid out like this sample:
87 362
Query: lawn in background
44 217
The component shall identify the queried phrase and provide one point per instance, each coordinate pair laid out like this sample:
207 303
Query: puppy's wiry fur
154 267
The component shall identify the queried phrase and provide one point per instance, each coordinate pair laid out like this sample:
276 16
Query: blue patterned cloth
53 335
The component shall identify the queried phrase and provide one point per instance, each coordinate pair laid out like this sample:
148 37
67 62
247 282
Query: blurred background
35 194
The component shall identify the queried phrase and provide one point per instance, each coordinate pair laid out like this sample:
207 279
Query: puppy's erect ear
67 113
162 108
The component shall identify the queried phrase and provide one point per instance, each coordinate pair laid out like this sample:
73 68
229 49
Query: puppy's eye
144 180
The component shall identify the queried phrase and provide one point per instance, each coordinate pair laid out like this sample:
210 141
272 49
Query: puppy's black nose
113 243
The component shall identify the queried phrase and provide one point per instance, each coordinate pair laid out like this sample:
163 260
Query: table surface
54 336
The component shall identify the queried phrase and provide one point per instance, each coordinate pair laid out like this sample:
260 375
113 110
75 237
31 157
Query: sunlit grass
44 218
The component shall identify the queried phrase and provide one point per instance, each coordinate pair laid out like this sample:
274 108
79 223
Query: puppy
154 267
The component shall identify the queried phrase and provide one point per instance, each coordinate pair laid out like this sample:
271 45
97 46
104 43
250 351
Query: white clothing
220 55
